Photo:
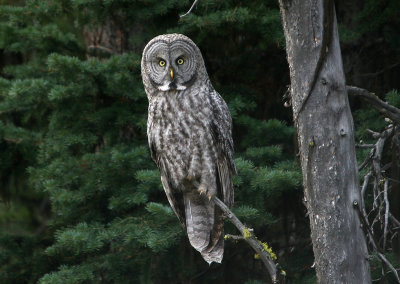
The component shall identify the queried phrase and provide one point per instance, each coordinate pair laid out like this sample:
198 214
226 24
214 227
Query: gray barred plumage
190 140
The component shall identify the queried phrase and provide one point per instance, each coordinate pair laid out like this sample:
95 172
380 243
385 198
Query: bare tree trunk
326 140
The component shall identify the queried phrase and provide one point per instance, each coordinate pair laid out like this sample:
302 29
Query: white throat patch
166 87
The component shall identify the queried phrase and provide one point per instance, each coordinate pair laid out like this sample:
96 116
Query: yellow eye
161 63
180 61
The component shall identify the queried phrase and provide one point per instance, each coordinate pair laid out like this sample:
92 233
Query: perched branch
233 237
260 248
383 107
190 10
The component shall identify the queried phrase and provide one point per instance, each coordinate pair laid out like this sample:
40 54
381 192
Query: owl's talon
209 197
203 190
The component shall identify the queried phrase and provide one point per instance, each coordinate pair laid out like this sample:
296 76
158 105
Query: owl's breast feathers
184 126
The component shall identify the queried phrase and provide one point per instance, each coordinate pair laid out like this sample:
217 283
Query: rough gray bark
326 140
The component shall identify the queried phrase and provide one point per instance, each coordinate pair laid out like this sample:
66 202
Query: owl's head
171 62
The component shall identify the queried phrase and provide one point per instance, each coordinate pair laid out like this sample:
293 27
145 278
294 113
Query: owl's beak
171 73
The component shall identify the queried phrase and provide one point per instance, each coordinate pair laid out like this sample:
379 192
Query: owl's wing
175 197
221 127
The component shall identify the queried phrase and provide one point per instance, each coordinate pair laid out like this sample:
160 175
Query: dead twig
371 237
384 108
362 146
380 211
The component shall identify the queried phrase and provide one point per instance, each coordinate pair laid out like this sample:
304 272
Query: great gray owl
189 133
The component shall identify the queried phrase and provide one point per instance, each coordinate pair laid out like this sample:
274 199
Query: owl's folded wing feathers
175 197
221 127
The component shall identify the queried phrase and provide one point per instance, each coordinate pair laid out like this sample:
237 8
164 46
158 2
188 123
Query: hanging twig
190 10
276 273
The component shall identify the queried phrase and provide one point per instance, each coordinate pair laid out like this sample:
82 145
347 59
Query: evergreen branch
383 107
266 255
190 10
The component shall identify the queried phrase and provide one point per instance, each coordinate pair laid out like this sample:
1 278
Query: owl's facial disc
171 66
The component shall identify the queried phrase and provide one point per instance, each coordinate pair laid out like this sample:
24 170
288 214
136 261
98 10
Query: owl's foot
203 190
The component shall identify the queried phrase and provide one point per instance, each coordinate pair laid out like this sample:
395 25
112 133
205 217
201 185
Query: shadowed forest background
81 199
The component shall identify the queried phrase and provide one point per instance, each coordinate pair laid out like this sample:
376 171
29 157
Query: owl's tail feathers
205 226
215 250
